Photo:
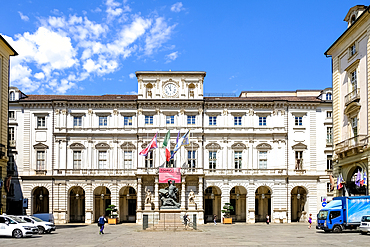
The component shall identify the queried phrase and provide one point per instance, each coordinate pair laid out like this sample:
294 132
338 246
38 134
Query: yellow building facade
351 119
5 52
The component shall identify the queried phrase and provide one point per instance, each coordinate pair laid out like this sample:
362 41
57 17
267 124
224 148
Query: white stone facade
351 119
264 152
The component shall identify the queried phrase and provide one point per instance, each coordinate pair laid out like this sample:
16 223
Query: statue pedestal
192 206
148 206
169 219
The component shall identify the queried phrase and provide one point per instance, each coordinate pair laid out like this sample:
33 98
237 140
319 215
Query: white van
15 227
42 226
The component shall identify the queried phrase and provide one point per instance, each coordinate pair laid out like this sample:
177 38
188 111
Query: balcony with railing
244 172
12 143
352 96
355 144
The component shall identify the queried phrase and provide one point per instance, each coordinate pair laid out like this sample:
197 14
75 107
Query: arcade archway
298 204
40 200
238 201
102 199
212 203
262 203
76 205
127 204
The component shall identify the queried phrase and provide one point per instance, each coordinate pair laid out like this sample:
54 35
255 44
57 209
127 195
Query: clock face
170 89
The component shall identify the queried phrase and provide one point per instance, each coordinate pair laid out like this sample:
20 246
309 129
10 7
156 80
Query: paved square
209 235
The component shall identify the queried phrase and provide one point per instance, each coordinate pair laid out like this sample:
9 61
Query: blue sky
94 47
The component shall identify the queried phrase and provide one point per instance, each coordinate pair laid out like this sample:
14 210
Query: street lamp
41 197
77 196
212 196
263 196
102 196
237 196
298 196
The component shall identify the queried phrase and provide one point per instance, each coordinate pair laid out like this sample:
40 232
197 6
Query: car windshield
16 219
36 219
365 219
323 215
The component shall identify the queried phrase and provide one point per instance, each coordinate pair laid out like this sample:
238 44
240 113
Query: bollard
145 221
194 221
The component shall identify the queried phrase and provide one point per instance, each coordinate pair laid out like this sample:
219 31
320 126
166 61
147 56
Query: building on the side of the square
5 52
264 152
351 119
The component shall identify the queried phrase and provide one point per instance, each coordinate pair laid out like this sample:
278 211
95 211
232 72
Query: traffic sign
324 204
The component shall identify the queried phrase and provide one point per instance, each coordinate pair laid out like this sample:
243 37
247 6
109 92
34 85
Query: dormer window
12 96
328 96
353 19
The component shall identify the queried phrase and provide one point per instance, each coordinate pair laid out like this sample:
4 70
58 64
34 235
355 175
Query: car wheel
17 233
41 229
337 229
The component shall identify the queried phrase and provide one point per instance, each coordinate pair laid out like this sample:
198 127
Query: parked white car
15 227
42 226
365 224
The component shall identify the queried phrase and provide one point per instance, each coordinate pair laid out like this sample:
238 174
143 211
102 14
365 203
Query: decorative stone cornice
77 146
191 146
213 146
299 146
102 146
128 146
263 146
238 146
40 146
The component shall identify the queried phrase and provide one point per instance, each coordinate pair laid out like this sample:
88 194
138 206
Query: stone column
89 202
156 194
139 183
200 194
183 193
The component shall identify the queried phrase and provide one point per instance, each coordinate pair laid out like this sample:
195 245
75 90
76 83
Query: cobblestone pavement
295 234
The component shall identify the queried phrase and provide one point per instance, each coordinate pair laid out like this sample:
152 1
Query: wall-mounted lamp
77 196
102 196
41 197
212 196
237 196
128 195
263 196
298 196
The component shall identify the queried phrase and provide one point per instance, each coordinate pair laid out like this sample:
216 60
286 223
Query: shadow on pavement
69 226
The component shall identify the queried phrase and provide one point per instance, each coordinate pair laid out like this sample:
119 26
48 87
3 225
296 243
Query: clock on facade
170 89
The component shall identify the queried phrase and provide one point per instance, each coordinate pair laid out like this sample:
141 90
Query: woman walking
267 219
310 221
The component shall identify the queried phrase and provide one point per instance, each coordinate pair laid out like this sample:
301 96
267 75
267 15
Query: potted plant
227 211
113 215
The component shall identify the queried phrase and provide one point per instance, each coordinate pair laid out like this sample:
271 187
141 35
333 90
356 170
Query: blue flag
184 140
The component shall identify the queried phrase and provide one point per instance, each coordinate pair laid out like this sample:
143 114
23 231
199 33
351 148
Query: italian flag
166 144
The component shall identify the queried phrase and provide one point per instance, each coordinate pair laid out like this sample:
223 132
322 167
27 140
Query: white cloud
131 93
112 9
159 34
23 17
39 75
65 50
177 7
172 56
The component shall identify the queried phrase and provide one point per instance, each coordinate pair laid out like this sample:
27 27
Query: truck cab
330 220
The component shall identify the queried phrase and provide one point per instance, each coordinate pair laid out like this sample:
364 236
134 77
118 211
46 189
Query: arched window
328 96
12 96
353 19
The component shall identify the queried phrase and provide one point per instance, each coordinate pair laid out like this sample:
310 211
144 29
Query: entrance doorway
212 203
40 200
127 204
262 203
77 205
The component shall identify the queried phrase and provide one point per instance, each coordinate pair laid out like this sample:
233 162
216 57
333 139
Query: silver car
365 224
43 226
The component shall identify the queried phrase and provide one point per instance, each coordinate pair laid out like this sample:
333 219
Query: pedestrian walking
101 221
186 219
214 219
267 219
310 221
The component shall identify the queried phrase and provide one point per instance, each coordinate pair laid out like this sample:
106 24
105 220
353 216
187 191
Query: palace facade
351 119
264 152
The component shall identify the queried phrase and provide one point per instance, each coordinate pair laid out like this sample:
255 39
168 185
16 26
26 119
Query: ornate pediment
213 146
192 146
77 146
128 146
40 146
102 145
299 146
238 146
263 146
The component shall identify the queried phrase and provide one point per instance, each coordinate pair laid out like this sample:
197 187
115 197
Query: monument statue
168 196
191 197
148 197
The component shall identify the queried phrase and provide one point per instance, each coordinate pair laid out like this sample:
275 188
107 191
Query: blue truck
343 213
